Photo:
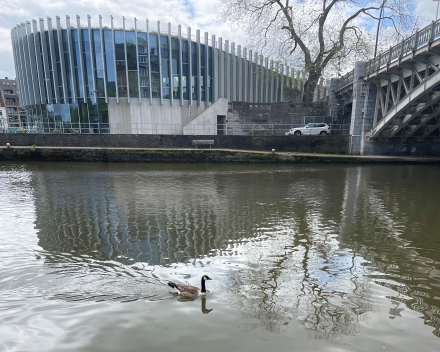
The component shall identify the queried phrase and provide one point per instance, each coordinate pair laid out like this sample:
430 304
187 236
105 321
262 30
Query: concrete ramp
206 122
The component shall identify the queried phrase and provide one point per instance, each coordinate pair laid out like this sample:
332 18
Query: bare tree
316 34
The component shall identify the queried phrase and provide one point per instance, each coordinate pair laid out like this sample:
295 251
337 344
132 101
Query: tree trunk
310 85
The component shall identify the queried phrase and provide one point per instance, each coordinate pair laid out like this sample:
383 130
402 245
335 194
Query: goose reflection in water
203 299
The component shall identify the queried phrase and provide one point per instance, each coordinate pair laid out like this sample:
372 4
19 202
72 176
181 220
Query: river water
303 258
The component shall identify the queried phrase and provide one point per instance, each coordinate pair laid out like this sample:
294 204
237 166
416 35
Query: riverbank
186 155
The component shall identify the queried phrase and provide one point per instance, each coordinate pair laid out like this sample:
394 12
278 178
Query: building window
202 72
143 64
10 101
121 68
165 56
154 65
99 65
132 64
8 91
109 63
176 67
12 110
194 64
186 79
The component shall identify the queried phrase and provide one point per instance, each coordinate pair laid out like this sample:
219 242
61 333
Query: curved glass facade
69 75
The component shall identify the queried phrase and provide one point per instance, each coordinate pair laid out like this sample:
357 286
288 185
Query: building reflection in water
312 243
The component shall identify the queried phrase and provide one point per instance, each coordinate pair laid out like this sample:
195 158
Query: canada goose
190 291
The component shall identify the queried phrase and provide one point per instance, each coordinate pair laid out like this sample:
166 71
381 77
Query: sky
198 14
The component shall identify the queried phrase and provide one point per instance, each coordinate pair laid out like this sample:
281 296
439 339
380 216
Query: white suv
311 128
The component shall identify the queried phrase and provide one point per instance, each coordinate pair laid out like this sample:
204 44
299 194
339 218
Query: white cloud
427 9
198 14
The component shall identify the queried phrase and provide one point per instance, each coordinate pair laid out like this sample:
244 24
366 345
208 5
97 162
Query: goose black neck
203 286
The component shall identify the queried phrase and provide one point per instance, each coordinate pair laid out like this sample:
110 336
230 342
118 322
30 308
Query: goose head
206 277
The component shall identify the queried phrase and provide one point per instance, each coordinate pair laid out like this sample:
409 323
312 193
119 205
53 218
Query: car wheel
323 133
297 133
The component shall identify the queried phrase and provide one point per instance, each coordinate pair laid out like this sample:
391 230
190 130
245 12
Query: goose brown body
188 290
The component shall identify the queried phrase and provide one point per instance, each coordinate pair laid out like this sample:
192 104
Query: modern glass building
84 78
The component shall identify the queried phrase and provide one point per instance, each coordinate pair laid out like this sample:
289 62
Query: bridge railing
417 40
346 79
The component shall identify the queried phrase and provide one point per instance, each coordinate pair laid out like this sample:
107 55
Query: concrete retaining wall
192 156
300 144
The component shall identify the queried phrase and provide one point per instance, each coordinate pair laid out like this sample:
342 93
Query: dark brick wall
278 113
305 144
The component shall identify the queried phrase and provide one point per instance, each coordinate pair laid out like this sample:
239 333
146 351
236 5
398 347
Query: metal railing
346 79
417 40
254 129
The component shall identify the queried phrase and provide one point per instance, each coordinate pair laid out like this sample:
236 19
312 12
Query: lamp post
438 3
378 26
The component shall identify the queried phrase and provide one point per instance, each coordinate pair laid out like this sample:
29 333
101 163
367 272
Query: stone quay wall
301 144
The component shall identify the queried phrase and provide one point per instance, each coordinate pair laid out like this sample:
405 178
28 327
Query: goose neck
203 286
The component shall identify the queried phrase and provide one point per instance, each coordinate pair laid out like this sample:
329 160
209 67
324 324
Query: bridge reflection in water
311 245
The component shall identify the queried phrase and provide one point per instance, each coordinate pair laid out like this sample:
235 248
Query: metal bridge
407 80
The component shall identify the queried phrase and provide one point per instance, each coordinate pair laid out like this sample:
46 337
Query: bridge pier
363 111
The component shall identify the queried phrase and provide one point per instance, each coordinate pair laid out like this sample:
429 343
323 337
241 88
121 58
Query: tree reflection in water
312 243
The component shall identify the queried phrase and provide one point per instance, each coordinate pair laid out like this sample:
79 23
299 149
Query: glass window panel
121 78
155 84
108 43
164 52
65 113
202 55
111 81
164 48
194 70
176 87
119 45
142 43
154 66
78 72
103 115
83 112
175 67
133 83
68 75
131 50
153 45
210 74
100 83
74 114
202 72
145 93
143 76
165 74
121 68
185 51
143 71
93 114
50 115
57 114
57 49
109 63
86 42
175 48
98 49
89 72
185 70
